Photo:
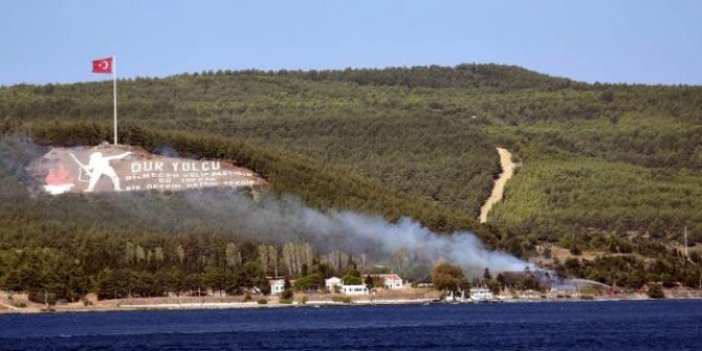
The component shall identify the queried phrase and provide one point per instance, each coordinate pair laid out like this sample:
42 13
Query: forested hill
598 160
462 76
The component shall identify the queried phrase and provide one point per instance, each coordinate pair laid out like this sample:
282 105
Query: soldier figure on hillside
98 166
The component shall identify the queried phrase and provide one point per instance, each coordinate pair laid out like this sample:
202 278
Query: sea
623 325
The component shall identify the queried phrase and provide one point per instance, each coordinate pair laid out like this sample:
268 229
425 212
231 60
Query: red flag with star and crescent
102 65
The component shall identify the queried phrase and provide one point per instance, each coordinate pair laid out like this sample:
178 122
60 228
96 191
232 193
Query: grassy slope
552 193
636 176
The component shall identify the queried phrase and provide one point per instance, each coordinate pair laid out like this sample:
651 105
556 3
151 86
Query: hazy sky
608 41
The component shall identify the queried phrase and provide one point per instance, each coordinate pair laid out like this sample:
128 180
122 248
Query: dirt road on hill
499 188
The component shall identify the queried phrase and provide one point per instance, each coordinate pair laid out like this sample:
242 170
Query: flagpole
114 84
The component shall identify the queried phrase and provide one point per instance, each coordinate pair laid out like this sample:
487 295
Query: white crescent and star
104 65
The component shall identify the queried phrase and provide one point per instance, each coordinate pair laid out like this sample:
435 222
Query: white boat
482 295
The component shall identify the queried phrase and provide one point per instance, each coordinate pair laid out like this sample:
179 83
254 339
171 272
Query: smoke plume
287 219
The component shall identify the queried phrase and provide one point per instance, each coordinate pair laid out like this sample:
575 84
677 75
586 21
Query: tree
486 275
273 259
353 276
287 293
655 291
501 280
575 249
263 258
352 280
494 286
447 277
214 278
547 252
180 253
370 284
572 266
265 287
232 255
194 282
309 281
528 283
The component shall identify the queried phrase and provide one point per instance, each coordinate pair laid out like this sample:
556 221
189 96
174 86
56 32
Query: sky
626 41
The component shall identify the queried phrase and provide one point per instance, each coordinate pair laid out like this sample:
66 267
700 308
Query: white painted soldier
98 166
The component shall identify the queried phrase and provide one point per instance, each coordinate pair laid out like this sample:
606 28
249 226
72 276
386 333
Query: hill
603 166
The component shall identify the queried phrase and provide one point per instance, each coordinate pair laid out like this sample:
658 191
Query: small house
391 281
354 289
330 283
277 285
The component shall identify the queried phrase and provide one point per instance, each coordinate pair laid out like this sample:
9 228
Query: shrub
287 294
262 301
342 299
311 280
352 280
575 250
42 297
265 287
655 291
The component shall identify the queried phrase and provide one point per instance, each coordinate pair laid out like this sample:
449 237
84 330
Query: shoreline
309 304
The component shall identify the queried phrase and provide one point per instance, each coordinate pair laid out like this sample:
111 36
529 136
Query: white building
277 285
481 295
330 283
391 281
354 289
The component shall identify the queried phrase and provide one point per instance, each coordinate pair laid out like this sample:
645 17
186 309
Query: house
330 283
277 285
354 289
390 281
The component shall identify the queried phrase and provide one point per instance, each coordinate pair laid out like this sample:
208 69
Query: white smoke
287 219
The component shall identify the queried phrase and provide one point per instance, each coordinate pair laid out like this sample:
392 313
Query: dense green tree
448 277
369 282
486 274
655 291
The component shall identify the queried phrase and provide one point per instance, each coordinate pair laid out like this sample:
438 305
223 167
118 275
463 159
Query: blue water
642 325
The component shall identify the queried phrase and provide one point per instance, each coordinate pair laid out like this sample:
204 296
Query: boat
482 295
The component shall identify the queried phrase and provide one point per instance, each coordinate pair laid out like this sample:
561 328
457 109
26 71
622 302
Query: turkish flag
102 65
